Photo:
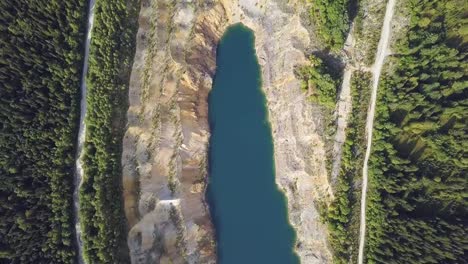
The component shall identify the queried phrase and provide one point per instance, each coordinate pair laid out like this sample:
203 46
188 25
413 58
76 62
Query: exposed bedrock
166 142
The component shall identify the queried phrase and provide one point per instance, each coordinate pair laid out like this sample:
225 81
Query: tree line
40 67
101 203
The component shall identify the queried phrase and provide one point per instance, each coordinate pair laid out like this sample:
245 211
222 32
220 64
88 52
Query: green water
248 210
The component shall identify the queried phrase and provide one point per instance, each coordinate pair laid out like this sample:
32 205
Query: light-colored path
376 71
81 134
343 108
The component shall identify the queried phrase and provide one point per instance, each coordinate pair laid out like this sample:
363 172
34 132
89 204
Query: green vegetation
343 213
178 224
40 69
367 29
321 82
331 19
112 49
417 201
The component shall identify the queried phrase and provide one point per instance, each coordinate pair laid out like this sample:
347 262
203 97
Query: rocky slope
166 141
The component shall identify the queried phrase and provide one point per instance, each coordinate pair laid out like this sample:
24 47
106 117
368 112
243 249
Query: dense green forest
417 201
101 205
343 213
332 20
320 81
40 69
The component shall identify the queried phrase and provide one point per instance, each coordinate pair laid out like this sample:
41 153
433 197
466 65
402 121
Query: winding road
376 69
81 134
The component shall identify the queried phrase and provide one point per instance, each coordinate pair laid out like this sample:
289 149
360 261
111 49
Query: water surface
248 210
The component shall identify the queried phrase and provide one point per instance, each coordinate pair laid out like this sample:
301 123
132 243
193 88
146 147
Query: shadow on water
248 210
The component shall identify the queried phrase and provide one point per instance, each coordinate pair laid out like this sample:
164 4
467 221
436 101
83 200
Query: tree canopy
417 207
40 70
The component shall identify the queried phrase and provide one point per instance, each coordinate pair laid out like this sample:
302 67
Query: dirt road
81 134
376 71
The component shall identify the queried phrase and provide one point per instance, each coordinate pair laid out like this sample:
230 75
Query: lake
248 210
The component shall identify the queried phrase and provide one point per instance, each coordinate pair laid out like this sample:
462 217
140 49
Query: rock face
166 142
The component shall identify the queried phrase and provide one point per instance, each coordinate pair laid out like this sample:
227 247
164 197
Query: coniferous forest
111 53
417 203
40 71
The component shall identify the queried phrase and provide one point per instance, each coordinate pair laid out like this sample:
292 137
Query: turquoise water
248 210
